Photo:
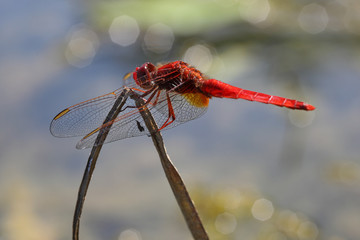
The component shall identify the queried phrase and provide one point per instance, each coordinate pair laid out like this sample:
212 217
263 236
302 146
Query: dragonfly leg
157 98
152 90
140 90
171 114
147 101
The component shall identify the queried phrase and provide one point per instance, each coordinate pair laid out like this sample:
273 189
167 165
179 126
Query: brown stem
119 103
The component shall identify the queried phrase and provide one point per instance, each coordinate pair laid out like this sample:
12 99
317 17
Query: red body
182 78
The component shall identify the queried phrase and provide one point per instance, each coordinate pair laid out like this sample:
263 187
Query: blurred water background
255 171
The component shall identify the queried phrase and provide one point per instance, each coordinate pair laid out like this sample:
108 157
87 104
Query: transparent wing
129 123
83 117
185 107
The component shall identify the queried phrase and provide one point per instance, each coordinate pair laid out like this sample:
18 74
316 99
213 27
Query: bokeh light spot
225 223
82 47
130 234
313 18
288 221
199 56
124 30
255 11
307 230
159 38
262 209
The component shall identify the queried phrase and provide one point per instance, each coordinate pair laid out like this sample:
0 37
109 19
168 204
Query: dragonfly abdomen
215 88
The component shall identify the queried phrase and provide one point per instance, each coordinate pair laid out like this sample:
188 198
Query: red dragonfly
174 93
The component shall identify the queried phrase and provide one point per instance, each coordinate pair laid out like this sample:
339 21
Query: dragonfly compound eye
143 75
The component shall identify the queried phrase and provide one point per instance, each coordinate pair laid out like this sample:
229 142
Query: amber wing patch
91 133
197 99
62 113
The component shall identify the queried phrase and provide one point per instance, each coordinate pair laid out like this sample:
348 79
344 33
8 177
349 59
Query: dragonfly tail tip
310 107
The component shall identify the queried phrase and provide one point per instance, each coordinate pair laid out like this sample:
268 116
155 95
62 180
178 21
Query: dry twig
90 166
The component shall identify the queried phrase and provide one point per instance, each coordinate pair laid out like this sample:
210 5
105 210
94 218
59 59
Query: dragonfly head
143 75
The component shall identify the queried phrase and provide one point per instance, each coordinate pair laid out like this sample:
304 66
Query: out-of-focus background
255 171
